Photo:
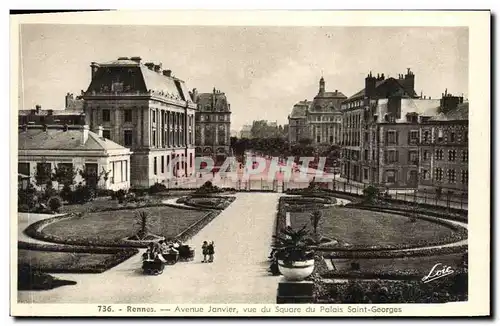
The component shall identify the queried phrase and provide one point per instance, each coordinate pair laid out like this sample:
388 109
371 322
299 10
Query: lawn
50 261
116 225
418 266
361 228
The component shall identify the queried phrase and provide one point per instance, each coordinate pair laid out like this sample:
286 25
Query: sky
264 71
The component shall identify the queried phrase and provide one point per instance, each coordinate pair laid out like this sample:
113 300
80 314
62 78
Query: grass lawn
104 203
116 225
368 228
49 261
419 266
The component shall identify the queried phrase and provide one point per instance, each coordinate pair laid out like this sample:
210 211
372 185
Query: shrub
207 188
82 194
66 193
55 204
27 199
370 193
157 187
120 195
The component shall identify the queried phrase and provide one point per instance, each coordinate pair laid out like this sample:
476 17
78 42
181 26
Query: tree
43 174
315 218
64 174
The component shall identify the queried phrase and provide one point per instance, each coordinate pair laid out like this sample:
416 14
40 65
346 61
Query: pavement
242 234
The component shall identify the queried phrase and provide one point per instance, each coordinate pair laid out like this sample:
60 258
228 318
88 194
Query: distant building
444 153
39 116
77 148
73 102
324 117
145 108
297 122
319 120
246 131
213 124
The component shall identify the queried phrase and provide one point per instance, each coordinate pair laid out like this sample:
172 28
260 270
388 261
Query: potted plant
294 253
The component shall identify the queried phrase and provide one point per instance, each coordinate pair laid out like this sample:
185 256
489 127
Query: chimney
50 112
157 67
136 59
370 83
409 82
38 108
150 65
167 73
93 69
85 134
123 58
99 131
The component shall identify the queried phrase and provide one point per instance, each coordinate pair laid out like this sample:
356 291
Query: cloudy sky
263 70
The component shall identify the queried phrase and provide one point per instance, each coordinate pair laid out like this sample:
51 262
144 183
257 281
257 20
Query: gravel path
242 235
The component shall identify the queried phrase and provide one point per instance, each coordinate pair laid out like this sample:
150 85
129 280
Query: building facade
147 109
444 153
77 148
297 122
319 120
213 124
376 125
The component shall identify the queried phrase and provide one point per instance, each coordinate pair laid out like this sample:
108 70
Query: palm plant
143 223
291 245
315 218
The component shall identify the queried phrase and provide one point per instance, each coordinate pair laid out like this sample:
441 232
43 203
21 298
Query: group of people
157 250
208 250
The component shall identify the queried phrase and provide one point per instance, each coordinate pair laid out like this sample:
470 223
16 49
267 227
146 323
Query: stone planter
297 271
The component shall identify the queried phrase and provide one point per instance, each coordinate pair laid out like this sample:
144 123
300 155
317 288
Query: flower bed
211 202
375 254
296 205
449 289
109 229
392 268
72 262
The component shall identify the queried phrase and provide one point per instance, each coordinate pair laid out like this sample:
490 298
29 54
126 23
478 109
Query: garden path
242 235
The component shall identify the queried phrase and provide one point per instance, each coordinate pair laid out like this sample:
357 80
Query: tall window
128 115
162 164
392 156
23 168
451 176
318 139
413 157
168 162
127 137
452 137
425 175
190 160
426 136
153 116
153 140
425 155
465 176
439 174
439 154
413 137
106 115
452 154
392 137
155 166
366 155
465 155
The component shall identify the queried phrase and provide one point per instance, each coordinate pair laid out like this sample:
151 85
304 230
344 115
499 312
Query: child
211 252
204 249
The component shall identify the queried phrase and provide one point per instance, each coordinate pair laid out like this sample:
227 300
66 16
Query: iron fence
410 196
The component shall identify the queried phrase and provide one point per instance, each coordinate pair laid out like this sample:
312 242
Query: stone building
324 117
444 153
297 122
246 131
144 108
213 125
319 120
39 116
77 148
367 115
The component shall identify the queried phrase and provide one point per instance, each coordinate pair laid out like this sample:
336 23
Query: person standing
211 252
204 250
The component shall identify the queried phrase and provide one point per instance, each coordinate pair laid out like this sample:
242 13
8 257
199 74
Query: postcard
251 163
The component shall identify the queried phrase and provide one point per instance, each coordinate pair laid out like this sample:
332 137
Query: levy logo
439 270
